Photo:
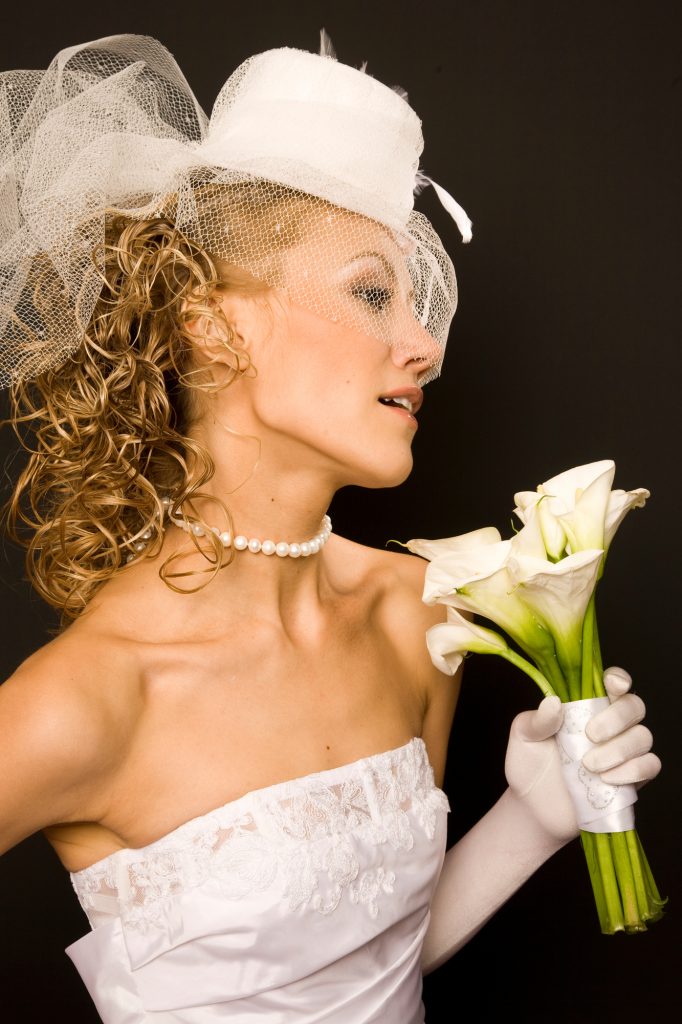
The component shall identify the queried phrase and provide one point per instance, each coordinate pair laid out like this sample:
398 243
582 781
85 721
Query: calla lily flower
431 549
620 503
553 534
558 594
581 504
538 588
477 579
449 641
560 591
540 604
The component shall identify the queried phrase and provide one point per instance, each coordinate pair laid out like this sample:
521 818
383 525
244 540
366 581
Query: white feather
451 205
326 45
420 182
455 210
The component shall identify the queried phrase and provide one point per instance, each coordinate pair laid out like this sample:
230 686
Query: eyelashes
376 297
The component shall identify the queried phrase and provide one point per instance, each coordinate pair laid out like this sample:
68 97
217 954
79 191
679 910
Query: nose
413 346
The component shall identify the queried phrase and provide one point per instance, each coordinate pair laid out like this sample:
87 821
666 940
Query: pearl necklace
265 547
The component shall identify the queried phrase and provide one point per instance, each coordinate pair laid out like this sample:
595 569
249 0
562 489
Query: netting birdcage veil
302 154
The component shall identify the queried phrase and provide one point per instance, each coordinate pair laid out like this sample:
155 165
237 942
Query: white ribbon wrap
600 806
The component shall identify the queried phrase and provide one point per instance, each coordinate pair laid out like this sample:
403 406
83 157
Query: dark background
556 126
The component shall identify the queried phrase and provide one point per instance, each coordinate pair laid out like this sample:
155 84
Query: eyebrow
388 266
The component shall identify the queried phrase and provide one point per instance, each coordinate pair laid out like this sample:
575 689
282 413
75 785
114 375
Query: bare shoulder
396 583
64 730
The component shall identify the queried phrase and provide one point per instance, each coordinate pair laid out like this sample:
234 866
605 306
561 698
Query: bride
235 744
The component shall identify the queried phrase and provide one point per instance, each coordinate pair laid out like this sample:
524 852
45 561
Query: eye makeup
375 286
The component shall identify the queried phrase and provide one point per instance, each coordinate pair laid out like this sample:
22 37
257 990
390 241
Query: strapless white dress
305 901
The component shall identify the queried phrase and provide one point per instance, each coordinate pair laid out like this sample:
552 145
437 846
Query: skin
153 707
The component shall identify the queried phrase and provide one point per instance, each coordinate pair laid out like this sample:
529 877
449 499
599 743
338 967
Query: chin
386 473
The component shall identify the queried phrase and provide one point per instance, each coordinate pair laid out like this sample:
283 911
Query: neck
268 499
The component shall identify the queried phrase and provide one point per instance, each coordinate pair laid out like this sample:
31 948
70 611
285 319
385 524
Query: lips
409 398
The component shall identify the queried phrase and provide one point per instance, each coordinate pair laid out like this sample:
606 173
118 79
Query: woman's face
326 385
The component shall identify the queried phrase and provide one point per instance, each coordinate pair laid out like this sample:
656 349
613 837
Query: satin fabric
305 901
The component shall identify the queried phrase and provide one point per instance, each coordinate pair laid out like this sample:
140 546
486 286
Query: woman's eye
375 296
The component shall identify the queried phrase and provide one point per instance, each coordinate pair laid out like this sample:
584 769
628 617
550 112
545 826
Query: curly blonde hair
106 431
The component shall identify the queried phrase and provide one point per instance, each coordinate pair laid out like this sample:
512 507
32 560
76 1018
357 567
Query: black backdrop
555 125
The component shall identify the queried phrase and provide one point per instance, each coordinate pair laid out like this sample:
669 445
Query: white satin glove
534 817
622 754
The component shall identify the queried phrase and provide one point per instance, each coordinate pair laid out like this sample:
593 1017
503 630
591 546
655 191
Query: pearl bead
140 546
146 535
240 542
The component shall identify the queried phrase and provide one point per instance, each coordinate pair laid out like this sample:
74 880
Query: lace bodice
312 872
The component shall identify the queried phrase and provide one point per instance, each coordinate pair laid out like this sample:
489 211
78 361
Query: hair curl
106 432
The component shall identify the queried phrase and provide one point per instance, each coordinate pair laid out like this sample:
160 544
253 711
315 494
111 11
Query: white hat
113 125
325 128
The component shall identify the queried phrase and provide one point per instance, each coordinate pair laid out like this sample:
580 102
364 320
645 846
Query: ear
222 329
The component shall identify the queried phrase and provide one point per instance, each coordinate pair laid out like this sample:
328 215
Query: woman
211 327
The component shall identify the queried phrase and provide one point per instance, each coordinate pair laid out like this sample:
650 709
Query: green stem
626 881
625 893
568 653
571 673
598 666
587 671
638 874
552 672
656 901
530 670
598 676
590 850
614 910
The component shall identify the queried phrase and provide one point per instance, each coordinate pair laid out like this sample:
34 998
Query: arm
59 742
534 817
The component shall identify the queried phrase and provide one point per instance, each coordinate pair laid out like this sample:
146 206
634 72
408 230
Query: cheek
315 354
315 371
296 390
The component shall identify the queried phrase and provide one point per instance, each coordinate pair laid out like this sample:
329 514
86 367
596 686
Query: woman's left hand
535 816
622 754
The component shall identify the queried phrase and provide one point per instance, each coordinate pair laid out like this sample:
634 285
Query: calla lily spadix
553 534
538 588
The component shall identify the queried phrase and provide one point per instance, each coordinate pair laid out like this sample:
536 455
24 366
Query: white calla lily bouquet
538 588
